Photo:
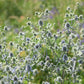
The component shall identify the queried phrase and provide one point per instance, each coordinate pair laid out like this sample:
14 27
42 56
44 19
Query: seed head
0 47
81 17
5 28
67 25
15 78
40 22
65 57
64 48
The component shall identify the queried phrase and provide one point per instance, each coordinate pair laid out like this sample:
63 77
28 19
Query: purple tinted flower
83 25
82 41
54 10
51 17
78 35
83 51
16 30
57 30
44 17
63 30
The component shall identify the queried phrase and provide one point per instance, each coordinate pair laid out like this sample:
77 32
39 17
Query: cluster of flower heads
40 56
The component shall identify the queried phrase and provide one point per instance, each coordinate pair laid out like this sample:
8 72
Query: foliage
38 55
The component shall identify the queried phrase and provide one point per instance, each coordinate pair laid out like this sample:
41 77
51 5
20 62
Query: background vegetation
16 11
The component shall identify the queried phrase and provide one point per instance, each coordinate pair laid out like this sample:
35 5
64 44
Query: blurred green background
15 12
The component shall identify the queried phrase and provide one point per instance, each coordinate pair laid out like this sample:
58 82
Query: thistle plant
40 56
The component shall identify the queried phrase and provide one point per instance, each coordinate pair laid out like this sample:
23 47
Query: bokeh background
15 12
